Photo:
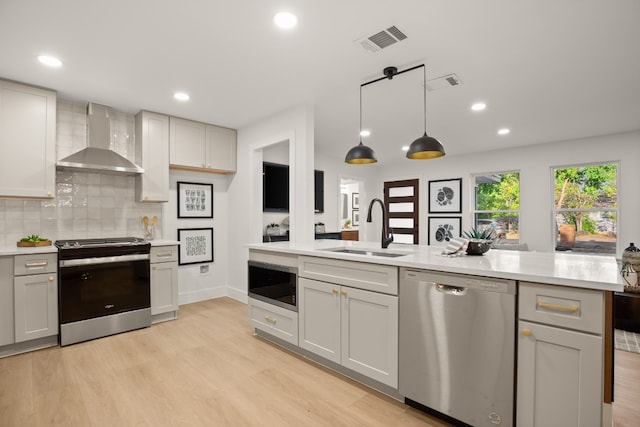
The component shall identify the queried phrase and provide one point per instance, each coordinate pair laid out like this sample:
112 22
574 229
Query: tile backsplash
87 205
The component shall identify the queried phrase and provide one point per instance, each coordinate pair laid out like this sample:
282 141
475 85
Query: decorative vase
631 268
478 247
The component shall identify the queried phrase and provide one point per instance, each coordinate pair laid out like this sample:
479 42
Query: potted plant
347 224
319 227
273 229
480 241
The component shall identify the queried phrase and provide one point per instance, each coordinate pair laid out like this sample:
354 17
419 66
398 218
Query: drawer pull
569 308
526 332
51 278
270 320
165 254
36 264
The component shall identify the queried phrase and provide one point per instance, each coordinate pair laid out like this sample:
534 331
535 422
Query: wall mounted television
275 188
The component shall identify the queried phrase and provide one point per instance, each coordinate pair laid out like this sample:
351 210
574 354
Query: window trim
554 211
474 199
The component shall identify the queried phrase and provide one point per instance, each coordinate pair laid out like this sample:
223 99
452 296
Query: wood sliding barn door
402 201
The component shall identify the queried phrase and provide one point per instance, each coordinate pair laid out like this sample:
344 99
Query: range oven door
274 284
95 287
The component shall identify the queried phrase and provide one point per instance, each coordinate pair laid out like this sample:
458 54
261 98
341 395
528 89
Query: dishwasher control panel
460 281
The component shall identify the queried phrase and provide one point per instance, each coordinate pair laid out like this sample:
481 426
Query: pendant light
425 147
361 154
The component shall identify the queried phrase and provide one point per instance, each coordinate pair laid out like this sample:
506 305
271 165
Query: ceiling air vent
442 82
382 39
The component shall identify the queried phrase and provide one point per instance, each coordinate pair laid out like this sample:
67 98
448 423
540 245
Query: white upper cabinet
27 141
152 148
221 149
187 141
201 147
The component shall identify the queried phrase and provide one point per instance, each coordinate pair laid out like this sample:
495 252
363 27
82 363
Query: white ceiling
550 70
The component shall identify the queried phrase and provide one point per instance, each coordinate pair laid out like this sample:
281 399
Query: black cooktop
101 242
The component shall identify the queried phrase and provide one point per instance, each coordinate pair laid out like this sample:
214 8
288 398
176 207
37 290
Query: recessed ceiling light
405 148
503 131
478 106
365 133
181 96
285 20
50 61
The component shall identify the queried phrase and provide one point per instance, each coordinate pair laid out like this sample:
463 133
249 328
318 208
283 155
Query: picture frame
445 196
355 217
443 228
355 200
196 245
195 200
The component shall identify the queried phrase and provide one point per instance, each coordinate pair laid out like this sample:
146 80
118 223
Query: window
586 208
497 205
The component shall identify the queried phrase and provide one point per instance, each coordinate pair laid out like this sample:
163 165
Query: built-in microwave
274 284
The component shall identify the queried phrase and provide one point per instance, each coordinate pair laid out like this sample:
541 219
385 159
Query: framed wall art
195 200
355 200
196 245
355 217
443 228
445 196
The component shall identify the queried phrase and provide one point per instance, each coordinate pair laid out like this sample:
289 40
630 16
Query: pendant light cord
424 83
360 130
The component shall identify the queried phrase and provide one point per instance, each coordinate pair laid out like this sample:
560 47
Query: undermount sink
365 252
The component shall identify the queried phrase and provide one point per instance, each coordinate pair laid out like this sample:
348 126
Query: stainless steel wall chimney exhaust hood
98 156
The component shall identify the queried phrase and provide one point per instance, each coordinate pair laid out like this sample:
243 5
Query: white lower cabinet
274 320
7 332
164 282
353 327
560 370
559 377
36 306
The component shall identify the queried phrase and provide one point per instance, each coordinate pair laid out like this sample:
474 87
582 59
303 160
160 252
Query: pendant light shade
426 147
423 148
360 155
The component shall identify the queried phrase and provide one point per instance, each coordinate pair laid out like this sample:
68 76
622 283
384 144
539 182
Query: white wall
534 164
335 169
194 285
245 189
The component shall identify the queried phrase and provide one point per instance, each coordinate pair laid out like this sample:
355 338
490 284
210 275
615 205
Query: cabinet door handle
36 264
526 332
343 293
558 307
51 278
335 292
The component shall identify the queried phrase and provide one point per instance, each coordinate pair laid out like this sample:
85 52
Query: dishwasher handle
451 290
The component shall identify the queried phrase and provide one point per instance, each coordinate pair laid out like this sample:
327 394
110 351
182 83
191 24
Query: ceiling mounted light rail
425 147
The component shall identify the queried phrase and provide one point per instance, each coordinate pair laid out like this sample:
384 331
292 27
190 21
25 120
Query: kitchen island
347 319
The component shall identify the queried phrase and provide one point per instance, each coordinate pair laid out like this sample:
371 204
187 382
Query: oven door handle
103 260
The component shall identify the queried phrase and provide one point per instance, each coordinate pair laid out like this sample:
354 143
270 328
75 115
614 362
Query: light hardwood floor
207 369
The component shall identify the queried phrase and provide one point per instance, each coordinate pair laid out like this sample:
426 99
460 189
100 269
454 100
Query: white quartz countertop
14 250
162 242
582 271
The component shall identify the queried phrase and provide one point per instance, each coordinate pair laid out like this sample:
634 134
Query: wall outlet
204 269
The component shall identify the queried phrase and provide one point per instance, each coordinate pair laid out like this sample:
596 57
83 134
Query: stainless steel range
103 287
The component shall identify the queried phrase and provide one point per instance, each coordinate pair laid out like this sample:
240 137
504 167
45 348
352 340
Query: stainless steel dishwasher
457 351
